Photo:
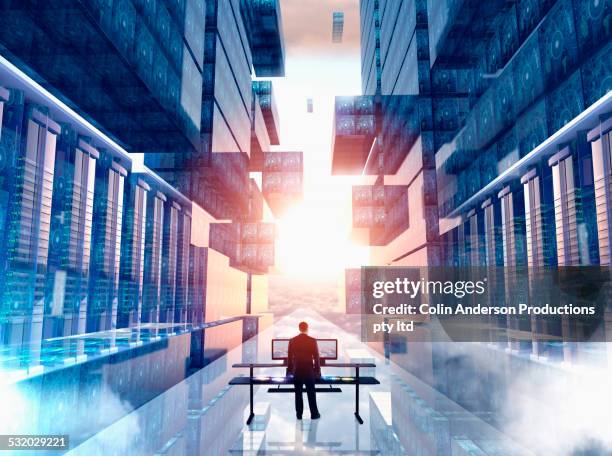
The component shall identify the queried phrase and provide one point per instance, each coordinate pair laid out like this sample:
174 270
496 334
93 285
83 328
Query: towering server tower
493 116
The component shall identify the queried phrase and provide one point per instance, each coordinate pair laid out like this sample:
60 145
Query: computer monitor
328 349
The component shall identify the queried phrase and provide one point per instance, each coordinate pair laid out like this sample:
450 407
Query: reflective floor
22 361
203 415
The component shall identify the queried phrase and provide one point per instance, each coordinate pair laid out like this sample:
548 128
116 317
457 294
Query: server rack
106 244
182 269
132 253
601 145
70 240
169 261
29 140
153 257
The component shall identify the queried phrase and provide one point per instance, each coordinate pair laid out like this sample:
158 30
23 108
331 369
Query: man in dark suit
305 367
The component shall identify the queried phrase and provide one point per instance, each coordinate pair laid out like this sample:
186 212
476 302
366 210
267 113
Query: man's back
303 357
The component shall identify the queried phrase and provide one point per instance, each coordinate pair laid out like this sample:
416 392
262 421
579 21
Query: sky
314 238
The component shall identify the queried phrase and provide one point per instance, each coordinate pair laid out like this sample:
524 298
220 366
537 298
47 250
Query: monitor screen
328 348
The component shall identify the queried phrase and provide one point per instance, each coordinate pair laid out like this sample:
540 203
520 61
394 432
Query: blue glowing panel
597 75
593 18
532 128
565 102
558 45
528 74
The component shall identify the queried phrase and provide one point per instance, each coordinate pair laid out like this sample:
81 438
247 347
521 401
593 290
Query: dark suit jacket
303 357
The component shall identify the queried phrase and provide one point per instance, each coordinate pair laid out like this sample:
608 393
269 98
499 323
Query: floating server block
355 128
255 252
224 238
382 210
28 146
282 180
401 117
260 139
150 53
249 245
264 28
255 212
353 291
70 236
226 182
267 103
337 26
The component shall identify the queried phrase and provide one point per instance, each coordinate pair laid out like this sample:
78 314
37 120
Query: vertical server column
132 253
600 139
574 196
197 284
601 146
153 257
463 243
477 248
182 267
494 260
539 218
169 261
577 244
30 157
541 252
515 260
513 227
565 207
70 242
492 233
106 244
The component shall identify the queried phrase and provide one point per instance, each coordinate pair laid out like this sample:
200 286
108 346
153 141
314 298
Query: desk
252 381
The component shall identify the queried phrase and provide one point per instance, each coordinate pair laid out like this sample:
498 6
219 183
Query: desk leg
251 412
357 396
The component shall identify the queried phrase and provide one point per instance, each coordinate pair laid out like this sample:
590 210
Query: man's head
303 326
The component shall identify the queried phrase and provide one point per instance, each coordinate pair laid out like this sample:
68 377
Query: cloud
286 295
548 409
561 413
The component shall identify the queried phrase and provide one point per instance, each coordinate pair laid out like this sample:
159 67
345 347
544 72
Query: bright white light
15 410
313 242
